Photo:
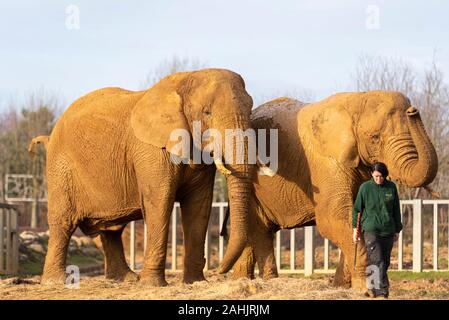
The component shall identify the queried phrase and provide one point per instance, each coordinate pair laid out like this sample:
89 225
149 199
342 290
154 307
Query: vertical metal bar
15 242
292 250
309 250
326 254
132 245
435 236
2 245
278 249
220 238
417 236
400 247
174 228
8 242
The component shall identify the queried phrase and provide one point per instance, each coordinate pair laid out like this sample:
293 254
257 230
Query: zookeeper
380 224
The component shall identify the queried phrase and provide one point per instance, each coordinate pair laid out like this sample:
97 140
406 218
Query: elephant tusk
220 166
264 170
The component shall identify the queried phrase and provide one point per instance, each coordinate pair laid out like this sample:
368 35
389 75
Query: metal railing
9 239
310 242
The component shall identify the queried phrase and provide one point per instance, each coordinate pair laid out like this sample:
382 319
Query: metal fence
309 249
9 240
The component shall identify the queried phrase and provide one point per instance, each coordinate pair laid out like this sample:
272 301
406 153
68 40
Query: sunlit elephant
325 150
110 161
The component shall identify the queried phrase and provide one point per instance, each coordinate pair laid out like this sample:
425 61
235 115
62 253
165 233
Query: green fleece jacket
379 206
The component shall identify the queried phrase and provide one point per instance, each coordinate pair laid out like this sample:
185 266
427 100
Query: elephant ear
334 133
157 114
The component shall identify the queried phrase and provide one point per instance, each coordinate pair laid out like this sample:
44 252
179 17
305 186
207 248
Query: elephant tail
36 140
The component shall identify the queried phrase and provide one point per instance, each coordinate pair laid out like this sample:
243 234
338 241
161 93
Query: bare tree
427 92
383 73
36 117
169 66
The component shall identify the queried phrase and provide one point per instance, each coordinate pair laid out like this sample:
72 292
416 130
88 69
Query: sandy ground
217 287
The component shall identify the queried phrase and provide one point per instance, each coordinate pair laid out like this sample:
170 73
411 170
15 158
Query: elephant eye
375 138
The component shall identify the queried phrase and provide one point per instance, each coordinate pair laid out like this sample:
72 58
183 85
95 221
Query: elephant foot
122 276
270 275
153 280
238 273
244 267
358 283
342 280
51 278
193 277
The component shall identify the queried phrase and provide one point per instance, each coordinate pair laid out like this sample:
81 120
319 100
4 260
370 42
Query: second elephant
325 150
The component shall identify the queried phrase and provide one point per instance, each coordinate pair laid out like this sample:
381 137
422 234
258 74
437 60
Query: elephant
111 159
325 151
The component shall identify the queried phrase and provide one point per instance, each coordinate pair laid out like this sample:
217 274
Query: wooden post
8 242
309 250
207 250
292 250
174 261
145 238
2 245
15 241
220 238
400 246
278 249
326 254
417 236
132 245
435 236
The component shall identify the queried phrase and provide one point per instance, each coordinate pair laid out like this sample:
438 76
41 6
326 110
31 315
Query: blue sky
276 46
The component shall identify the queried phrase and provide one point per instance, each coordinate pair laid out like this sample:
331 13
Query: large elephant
110 161
325 150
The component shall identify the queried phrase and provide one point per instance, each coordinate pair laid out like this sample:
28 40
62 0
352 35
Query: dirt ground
286 287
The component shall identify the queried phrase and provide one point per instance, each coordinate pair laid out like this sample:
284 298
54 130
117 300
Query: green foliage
409 275
35 267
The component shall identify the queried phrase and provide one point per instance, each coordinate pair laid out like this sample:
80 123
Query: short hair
381 167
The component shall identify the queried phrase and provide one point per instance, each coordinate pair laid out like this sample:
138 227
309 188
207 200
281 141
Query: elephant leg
157 178
55 260
334 221
196 206
116 267
157 218
264 252
342 277
244 267
261 248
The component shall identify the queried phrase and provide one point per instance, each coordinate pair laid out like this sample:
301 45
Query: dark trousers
378 250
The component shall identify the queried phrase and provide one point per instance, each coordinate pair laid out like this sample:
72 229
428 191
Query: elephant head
216 99
366 127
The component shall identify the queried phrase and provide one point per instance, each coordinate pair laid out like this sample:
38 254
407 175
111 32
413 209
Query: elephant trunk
239 190
415 156
240 170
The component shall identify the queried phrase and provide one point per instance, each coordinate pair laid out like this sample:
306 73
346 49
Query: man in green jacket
378 203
